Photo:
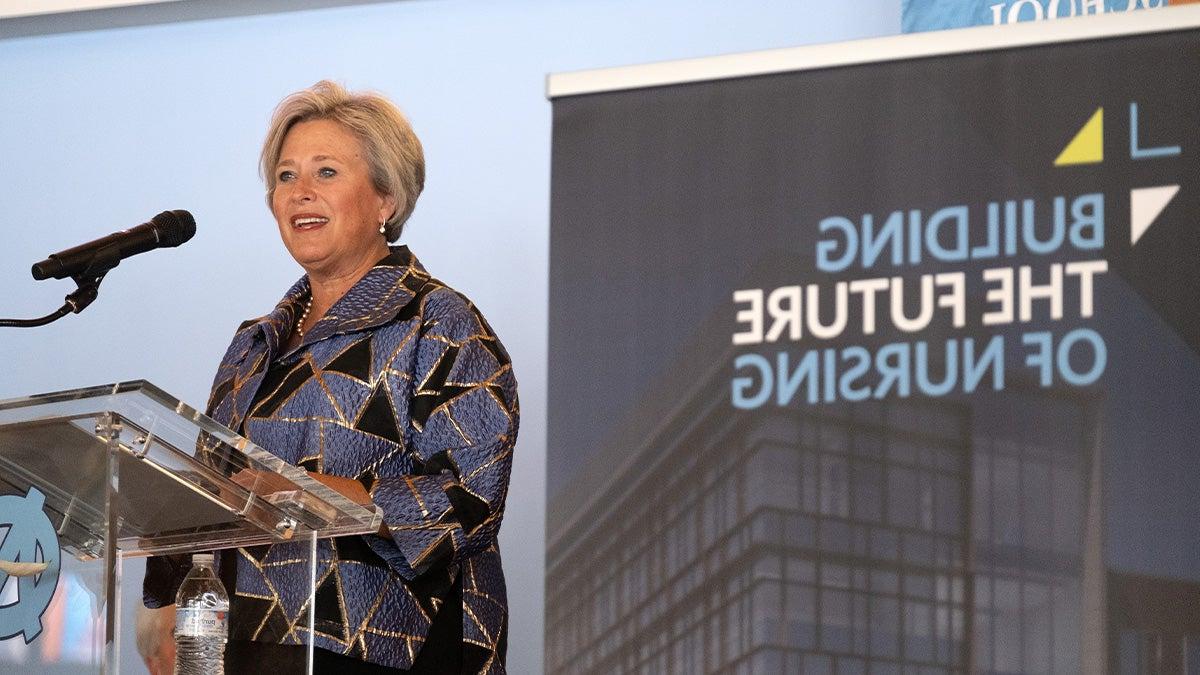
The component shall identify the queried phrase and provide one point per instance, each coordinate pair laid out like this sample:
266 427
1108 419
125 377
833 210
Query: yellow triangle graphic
1088 145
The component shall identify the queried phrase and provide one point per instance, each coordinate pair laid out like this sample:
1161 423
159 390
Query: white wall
100 130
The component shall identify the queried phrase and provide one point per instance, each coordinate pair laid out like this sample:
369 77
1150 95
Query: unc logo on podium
29 532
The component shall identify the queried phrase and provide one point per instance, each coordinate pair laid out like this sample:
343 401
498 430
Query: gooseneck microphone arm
88 283
87 264
33 323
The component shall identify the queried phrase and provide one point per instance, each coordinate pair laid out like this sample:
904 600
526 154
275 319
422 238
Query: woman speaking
384 384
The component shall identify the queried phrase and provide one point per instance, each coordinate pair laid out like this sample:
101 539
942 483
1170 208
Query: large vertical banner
890 367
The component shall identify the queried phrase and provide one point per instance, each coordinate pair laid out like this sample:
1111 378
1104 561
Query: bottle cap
202 558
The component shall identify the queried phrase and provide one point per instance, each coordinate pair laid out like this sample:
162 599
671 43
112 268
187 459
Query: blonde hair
393 151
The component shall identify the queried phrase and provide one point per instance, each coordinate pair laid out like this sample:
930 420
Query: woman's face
326 206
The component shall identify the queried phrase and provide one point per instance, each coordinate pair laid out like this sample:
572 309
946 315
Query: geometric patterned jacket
403 386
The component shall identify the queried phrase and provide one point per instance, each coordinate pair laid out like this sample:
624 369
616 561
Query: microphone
167 229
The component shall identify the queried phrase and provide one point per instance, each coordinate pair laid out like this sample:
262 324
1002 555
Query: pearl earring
383 228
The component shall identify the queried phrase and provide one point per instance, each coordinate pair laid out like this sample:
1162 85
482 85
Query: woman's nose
302 190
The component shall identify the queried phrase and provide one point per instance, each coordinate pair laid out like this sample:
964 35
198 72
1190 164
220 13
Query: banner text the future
936 300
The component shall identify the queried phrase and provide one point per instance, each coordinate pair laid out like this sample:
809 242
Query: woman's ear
387 208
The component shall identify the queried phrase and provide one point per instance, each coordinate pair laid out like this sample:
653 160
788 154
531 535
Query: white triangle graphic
1144 206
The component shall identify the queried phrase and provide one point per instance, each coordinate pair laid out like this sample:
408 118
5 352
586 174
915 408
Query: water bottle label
200 622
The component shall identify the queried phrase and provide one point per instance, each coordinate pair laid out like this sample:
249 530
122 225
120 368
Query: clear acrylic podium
121 471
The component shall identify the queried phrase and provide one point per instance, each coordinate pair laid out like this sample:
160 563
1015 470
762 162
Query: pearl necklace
303 316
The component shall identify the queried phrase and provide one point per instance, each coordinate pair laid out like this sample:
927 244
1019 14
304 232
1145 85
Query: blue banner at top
922 15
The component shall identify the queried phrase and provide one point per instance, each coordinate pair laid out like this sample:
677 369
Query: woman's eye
285 176
326 172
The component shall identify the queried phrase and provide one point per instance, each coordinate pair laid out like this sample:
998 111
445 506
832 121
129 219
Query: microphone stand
88 282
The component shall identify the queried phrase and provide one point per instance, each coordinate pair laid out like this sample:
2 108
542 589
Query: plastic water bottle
201 626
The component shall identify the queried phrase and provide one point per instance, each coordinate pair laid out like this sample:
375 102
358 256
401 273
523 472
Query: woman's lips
308 222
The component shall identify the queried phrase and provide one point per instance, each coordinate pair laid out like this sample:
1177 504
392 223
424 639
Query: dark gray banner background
1028 530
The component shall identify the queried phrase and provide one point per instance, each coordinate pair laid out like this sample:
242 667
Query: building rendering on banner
910 536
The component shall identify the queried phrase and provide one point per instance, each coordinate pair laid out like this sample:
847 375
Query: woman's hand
262 482
352 490
347 487
265 483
